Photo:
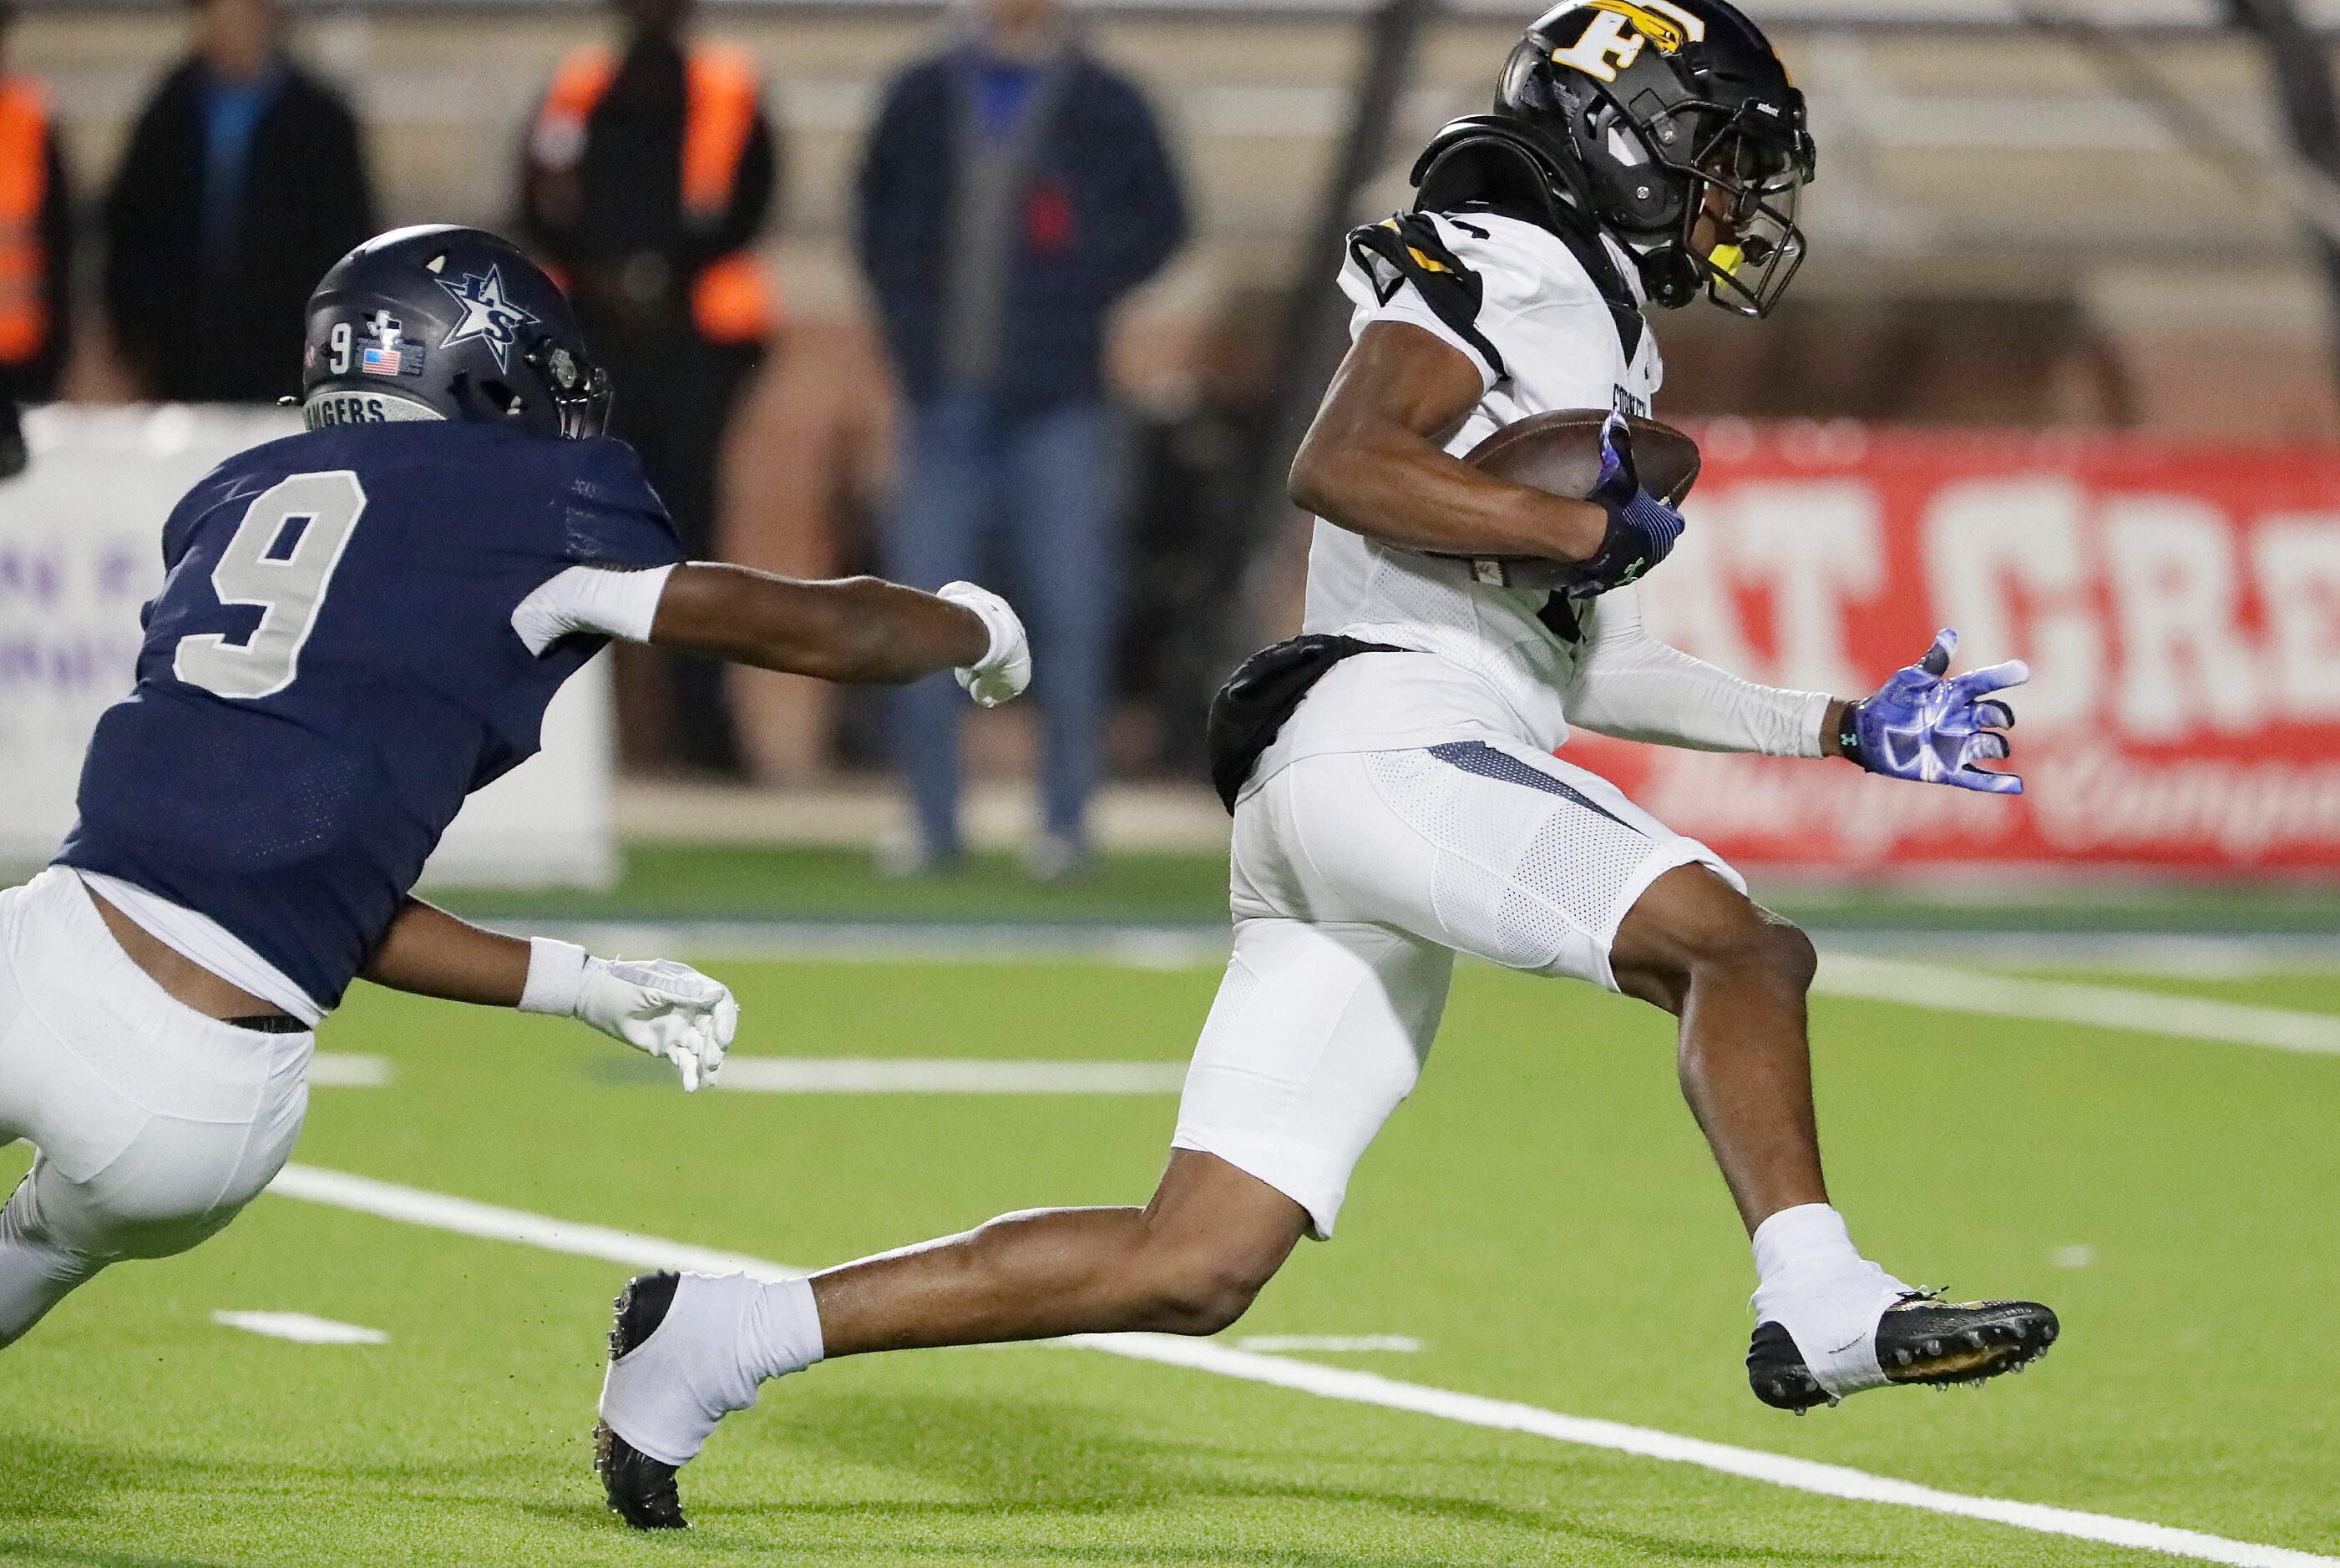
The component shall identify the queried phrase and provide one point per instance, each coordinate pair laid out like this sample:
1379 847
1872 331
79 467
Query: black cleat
641 1489
1921 1339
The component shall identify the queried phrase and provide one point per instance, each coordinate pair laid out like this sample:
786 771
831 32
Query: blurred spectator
1014 188
1193 520
35 235
646 178
245 181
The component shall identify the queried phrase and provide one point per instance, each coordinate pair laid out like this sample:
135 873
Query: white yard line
944 1075
1799 1475
348 1069
302 1328
1327 1344
467 1218
2065 1001
461 1215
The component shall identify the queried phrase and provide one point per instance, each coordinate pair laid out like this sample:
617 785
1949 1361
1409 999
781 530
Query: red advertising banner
2179 604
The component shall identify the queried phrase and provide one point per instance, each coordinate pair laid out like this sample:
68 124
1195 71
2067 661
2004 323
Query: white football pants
154 1124
1357 878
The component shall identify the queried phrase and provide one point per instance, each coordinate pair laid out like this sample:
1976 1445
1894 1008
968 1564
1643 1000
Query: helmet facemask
1744 167
579 392
1756 166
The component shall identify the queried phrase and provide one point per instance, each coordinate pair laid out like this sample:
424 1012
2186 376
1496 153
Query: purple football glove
1921 726
1641 529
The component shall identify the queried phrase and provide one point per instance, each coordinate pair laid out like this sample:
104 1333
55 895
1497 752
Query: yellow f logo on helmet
1615 30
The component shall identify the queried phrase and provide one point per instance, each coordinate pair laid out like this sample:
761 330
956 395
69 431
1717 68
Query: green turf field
759 882
1541 1217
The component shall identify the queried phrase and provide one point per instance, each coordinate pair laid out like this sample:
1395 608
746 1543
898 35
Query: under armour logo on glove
1922 726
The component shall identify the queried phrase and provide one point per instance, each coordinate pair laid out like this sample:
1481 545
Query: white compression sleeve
1630 685
606 600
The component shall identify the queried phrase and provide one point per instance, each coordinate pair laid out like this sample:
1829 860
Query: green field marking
1541 1216
763 881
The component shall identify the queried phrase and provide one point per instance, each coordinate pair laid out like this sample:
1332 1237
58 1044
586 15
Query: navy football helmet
1637 114
448 323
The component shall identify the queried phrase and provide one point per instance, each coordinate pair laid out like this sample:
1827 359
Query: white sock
1809 1237
781 1331
722 1336
1817 1286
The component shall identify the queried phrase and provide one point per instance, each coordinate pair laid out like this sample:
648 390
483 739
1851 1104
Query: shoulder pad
1407 249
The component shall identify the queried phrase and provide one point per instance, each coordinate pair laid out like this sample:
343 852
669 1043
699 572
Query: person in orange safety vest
646 175
36 233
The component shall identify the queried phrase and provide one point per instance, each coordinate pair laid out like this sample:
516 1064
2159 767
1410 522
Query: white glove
662 1007
1005 668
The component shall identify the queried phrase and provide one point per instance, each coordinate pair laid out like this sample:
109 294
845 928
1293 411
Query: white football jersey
1560 347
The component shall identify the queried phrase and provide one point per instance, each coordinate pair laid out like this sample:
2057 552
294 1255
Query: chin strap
1670 276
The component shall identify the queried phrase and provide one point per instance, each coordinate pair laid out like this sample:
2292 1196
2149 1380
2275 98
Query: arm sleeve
603 601
1631 685
758 186
873 185
57 274
1150 222
132 244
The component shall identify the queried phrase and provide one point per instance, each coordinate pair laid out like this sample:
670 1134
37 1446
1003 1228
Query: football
1559 453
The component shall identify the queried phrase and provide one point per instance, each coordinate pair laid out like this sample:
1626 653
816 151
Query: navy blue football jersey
330 668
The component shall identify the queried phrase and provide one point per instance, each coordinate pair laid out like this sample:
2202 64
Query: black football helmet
448 323
1638 113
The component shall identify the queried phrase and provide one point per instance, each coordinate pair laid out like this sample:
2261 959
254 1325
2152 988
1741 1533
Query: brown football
1559 453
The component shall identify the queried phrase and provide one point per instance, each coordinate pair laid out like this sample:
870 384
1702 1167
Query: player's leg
934 534
1735 975
1063 484
154 1124
1829 1321
1317 1033
1542 866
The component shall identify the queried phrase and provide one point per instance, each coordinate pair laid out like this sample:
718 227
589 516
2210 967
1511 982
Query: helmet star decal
487 314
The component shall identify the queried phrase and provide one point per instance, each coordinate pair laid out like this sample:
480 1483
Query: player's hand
1919 725
1642 530
662 1007
1005 668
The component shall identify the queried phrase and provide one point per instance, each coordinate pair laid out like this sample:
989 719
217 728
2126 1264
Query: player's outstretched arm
1373 463
661 1007
862 630
1629 685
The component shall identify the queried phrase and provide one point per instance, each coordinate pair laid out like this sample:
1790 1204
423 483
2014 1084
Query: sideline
414 1206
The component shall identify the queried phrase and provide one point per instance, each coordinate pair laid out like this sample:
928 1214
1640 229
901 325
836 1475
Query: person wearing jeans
1014 190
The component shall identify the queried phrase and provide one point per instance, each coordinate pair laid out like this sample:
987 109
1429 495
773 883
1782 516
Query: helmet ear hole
500 395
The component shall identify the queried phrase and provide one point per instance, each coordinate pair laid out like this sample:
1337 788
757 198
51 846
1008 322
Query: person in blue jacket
1014 190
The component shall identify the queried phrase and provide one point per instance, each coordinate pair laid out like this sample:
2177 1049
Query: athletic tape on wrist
556 977
987 610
